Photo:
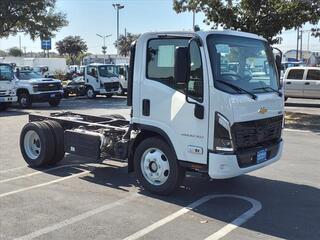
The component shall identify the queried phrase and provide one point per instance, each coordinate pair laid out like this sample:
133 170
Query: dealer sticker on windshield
261 156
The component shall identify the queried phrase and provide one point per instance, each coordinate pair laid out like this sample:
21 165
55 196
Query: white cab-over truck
7 86
189 112
100 79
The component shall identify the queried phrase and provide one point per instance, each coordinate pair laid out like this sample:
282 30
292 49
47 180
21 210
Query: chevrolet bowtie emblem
263 110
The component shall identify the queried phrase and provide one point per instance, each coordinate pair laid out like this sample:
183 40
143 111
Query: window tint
160 60
195 86
296 74
313 75
6 73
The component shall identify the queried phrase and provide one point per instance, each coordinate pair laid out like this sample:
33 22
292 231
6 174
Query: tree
124 43
37 18
267 18
71 46
15 52
2 53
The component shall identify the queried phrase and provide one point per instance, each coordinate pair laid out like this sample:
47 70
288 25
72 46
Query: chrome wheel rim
24 101
32 144
155 166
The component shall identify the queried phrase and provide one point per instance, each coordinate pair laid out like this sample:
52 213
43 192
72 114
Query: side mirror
18 73
121 71
181 68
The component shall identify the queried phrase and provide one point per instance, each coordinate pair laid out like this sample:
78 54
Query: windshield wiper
238 89
270 88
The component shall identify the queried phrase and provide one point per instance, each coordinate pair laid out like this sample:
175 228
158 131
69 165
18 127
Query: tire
66 94
54 102
109 95
36 141
90 93
58 135
170 175
3 106
24 100
122 90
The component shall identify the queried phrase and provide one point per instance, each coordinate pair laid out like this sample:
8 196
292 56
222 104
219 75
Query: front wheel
54 102
24 100
90 93
157 167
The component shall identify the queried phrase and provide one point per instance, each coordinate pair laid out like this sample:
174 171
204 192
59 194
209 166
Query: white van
302 82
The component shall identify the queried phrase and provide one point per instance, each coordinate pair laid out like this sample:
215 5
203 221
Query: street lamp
104 48
117 6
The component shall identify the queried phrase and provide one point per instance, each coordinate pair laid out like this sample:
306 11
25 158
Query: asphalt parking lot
80 199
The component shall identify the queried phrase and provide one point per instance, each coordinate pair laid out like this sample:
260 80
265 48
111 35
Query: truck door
312 84
163 100
294 83
92 78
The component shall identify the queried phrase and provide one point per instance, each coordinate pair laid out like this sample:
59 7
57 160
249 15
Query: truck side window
160 61
313 74
296 74
195 86
92 71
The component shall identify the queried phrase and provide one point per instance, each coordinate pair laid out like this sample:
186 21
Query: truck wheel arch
22 90
146 131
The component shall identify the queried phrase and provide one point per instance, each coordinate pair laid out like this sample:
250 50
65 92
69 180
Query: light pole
104 48
117 6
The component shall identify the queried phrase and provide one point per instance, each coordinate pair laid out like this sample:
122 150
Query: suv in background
302 82
32 87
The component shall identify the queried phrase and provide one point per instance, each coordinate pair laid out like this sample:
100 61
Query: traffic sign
46 44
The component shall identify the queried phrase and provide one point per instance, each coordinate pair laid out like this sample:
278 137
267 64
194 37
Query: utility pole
20 45
297 49
117 7
301 44
104 48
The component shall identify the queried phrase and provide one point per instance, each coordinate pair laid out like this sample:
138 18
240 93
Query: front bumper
44 97
227 166
8 99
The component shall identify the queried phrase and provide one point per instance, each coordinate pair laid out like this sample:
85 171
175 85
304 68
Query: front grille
43 87
111 86
256 133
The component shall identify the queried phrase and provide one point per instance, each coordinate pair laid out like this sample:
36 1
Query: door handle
288 82
307 83
146 107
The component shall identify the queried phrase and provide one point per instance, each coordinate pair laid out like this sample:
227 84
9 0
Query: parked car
302 82
75 86
32 87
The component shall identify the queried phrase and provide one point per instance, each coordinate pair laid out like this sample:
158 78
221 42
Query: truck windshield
6 73
29 75
107 71
244 62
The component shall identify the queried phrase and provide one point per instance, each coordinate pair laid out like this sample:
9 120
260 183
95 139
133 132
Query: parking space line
77 218
38 172
44 184
256 206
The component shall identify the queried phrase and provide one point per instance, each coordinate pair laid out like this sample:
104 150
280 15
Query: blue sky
89 17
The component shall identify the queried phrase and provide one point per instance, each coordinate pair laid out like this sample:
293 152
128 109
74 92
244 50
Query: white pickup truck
189 112
32 87
7 86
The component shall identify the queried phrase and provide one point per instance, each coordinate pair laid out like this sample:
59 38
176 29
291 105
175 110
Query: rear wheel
58 135
36 141
54 102
90 92
156 166
24 100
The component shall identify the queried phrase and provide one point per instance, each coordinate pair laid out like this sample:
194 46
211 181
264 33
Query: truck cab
228 121
101 79
7 86
32 87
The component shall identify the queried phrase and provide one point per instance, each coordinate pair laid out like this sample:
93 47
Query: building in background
110 59
308 57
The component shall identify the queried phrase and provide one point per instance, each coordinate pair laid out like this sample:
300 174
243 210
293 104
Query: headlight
222 134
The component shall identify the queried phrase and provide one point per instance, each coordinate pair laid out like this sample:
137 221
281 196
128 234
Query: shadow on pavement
302 121
12 112
289 210
294 104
